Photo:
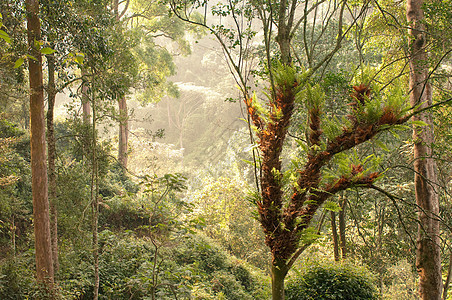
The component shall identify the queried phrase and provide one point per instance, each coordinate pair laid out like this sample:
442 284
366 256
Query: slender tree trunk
335 237
428 252
51 150
448 279
123 132
279 271
95 206
26 115
85 100
41 221
123 113
342 224
13 236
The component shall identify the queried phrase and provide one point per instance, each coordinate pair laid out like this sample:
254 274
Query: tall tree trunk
85 100
95 205
342 224
51 150
123 113
44 262
335 237
123 132
279 272
428 252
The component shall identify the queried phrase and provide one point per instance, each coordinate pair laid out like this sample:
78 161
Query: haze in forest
213 150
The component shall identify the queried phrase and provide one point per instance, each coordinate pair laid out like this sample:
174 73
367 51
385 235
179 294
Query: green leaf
309 236
332 206
31 57
248 162
5 36
38 44
18 63
47 50
381 145
419 123
80 59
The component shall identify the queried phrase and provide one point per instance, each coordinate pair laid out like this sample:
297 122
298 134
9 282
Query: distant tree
143 64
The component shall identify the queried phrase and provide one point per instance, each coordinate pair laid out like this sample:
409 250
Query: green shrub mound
332 281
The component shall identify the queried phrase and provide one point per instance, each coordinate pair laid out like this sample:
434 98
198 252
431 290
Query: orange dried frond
341 181
388 116
356 169
362 89
361 92
373 176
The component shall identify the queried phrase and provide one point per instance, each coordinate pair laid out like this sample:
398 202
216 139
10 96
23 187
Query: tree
122 102
287 203
428 246
44 262
143 64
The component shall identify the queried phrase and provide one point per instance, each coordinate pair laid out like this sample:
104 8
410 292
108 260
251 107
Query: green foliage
287 76
396 99
120 258
229 286
315 97
352 163
15 185
437 18
16 279
331 281
3 34
227 276
333 127
402 282
187 268
209 258
331 206
227 213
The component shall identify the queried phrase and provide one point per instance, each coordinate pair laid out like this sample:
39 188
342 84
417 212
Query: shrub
226 283
220 275
332 281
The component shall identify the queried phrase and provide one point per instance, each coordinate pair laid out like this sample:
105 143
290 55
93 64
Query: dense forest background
158 163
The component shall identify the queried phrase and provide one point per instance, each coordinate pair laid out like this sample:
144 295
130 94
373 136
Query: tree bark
44 262
428 252
95 206
123 132
343 239
51 150
279 272
335 237
123 113
85 100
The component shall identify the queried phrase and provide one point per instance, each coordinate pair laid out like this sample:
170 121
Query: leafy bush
228 284
332 281
222 276
207 256
17 277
